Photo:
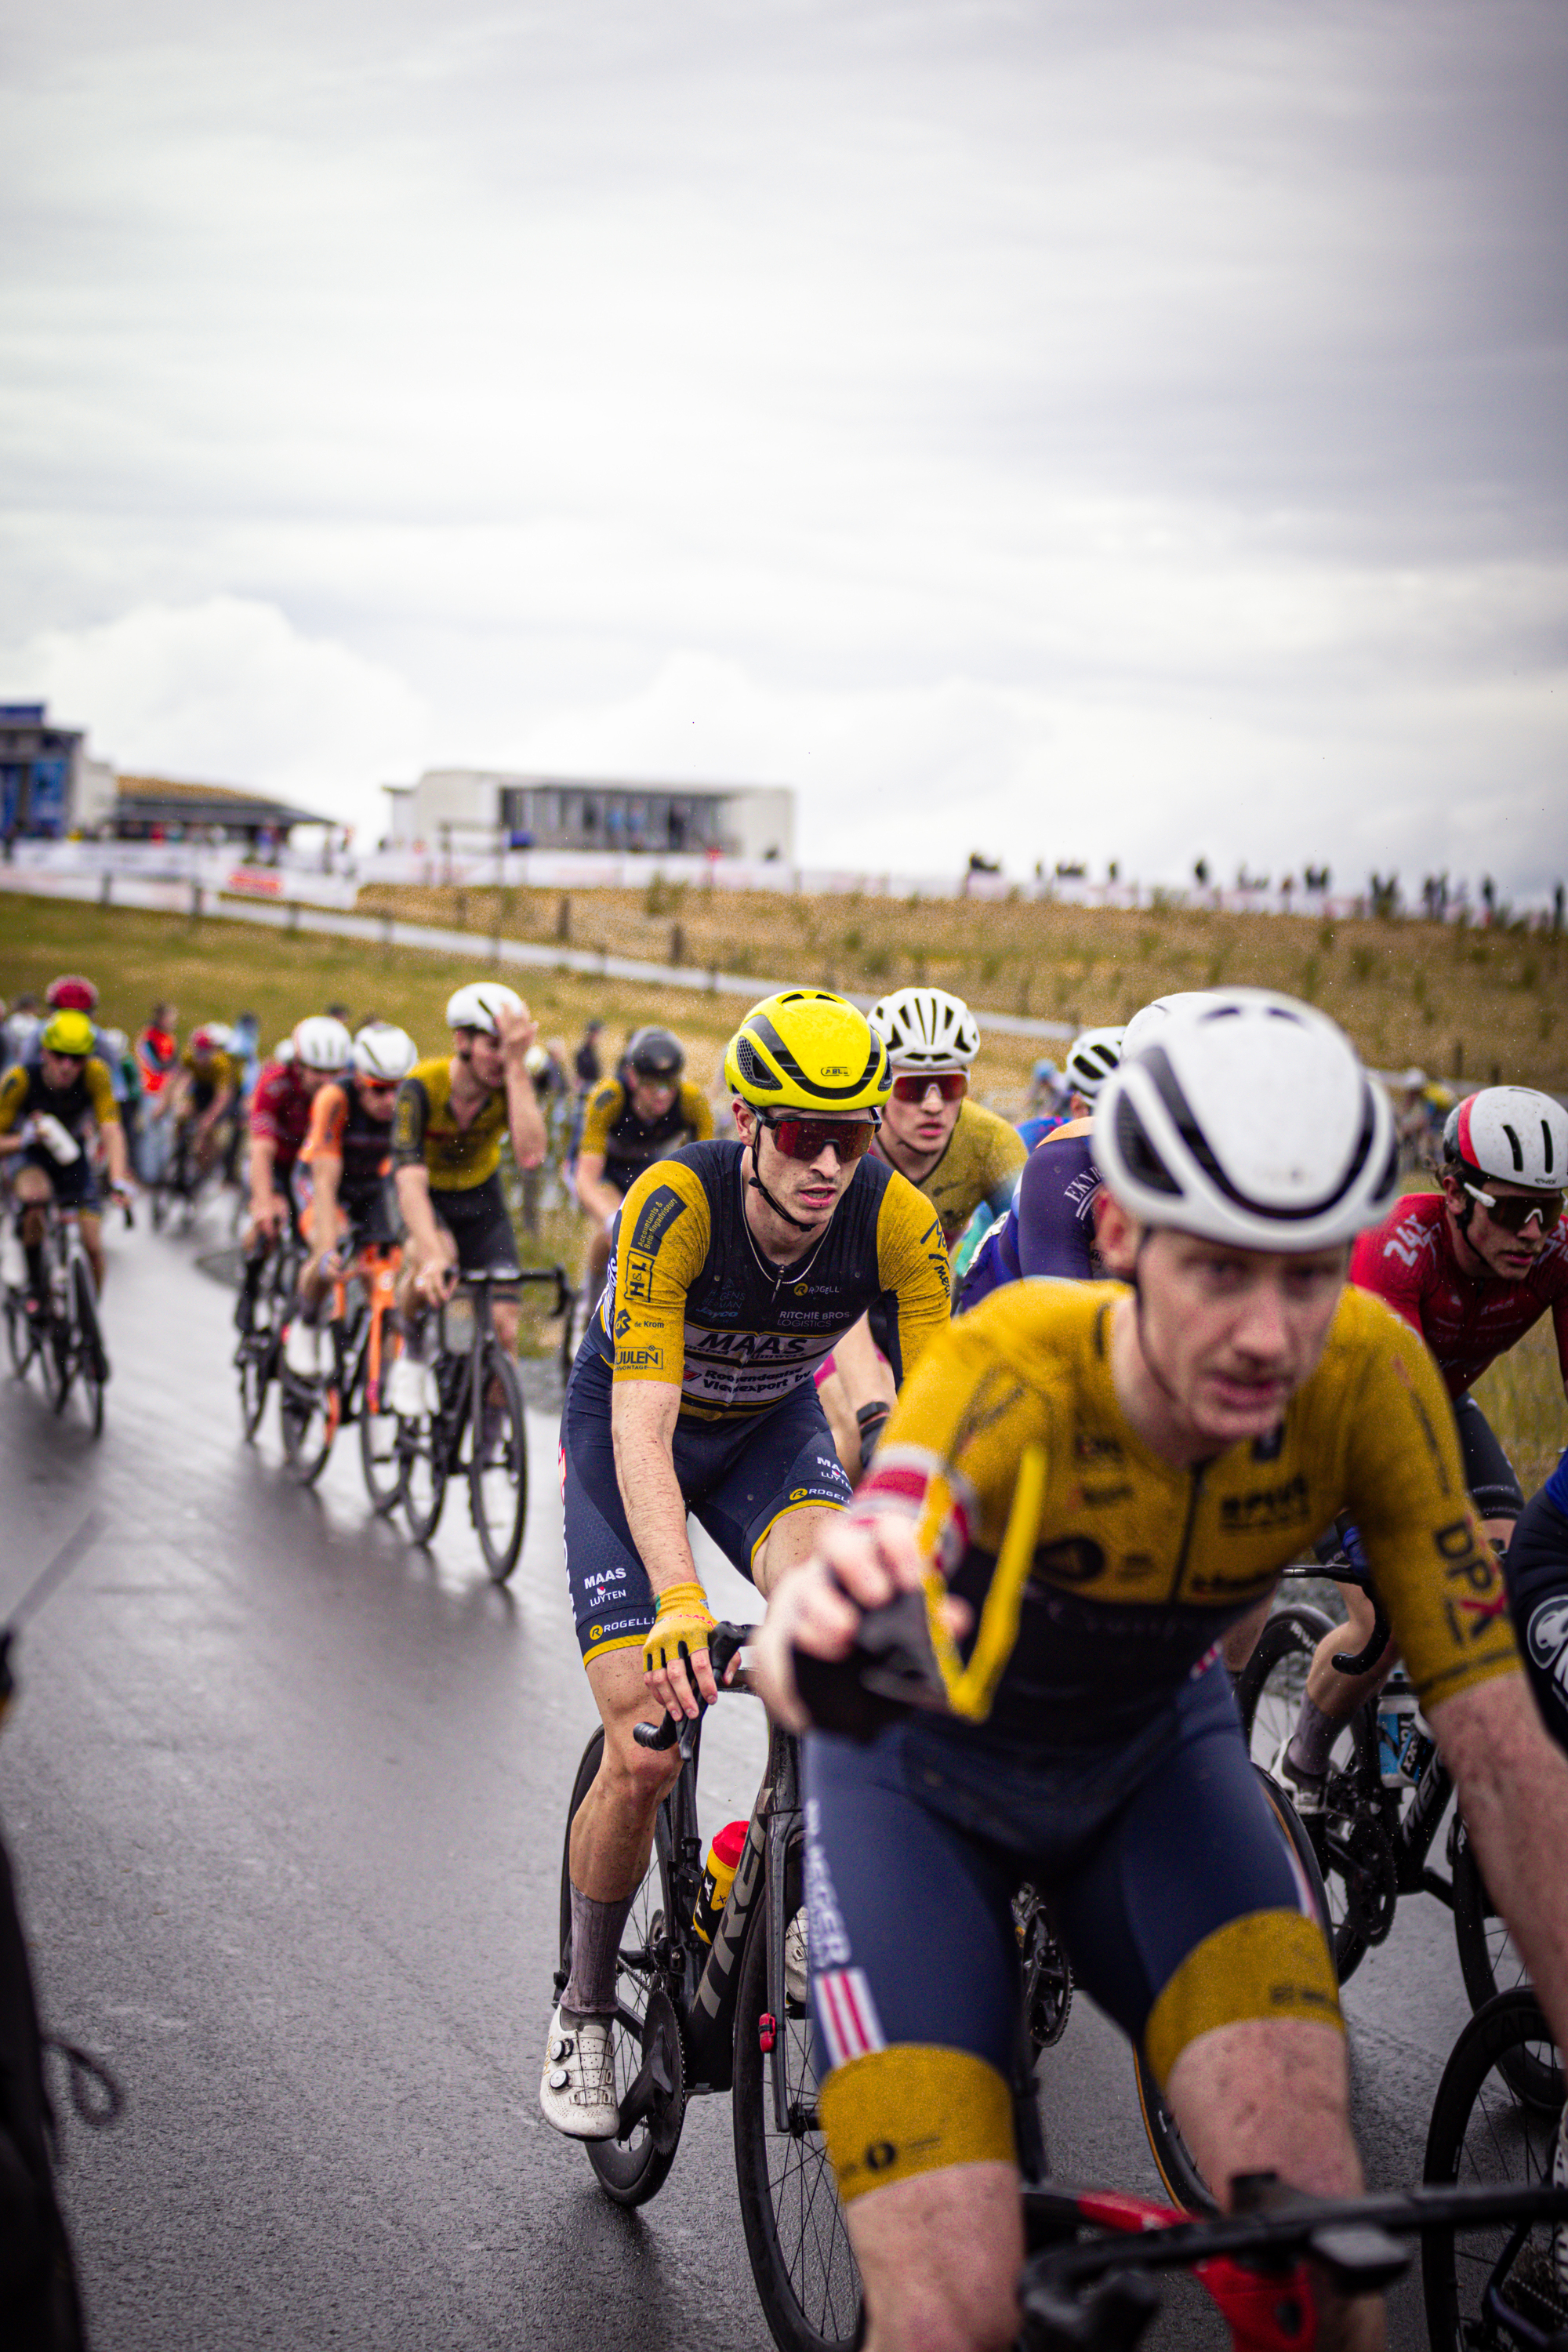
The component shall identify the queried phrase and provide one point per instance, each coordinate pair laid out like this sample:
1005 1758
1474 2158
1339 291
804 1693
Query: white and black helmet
1512 1134
1090 1060
321 1043
1251 1122
926 1029
382 1052
1148 1021
476 1006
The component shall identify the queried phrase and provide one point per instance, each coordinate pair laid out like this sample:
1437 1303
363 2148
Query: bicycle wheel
633 2169
91 1363
1483 2133
254 1361
498 1467
1173 2160
1489 1961
807 2278
380 1460
423 1450
18 1333
308 1415
1269 1693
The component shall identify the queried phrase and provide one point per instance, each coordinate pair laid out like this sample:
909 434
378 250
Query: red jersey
1409 1261
281 1111
155 1055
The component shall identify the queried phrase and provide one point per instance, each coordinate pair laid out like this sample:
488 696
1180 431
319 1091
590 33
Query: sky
1064 431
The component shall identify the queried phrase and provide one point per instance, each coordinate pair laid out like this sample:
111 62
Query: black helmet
655 1054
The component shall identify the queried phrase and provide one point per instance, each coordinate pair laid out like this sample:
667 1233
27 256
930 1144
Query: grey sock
596 1946
1312 1740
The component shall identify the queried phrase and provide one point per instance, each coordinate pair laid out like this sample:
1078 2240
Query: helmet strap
757 1185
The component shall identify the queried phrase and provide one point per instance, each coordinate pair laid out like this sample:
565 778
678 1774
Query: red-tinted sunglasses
808 1138
912 1086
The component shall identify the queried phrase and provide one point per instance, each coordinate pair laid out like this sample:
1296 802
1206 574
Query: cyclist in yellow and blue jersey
735 1267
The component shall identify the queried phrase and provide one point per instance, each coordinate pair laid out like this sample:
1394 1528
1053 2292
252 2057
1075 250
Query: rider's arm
413 1183
867 1377
605 1105
911 1262
695 1111
106 1111
516 1032
13 1095
643 1415
176 1087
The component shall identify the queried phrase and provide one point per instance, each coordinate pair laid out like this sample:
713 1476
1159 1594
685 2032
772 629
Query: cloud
229 692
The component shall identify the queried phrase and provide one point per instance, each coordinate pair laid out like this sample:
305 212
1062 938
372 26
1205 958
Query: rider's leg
34 1192
1331 1698
1273 2094
90 1225
939 2256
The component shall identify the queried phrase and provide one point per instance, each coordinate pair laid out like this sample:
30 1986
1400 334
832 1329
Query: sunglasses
1515 1212
808 1138
913 1087
379 1086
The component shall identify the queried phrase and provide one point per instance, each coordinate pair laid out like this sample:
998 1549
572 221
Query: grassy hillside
1457 1002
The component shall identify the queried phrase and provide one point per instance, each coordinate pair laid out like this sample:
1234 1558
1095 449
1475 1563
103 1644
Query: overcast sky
1102 430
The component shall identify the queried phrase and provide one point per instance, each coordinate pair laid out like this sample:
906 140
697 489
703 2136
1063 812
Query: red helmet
71 994
211 1039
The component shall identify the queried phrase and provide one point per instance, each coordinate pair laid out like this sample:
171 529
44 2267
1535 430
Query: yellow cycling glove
684 1621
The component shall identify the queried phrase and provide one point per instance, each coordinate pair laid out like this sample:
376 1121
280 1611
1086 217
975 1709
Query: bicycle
692 2019
1091 2284
311 1411
479 1396
60 1332
1497 2117
181 1182
259 1353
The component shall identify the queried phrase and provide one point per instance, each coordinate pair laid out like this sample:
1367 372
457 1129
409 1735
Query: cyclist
452 1112
342 1179
1106 1476
646 1112
320 1049
1092 1058
158 1047
202 1090
959 1155
735 1266
71 994
1535 1566
1471 1268
48 1110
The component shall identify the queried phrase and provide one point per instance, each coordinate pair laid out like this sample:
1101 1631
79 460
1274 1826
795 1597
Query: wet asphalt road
285 1797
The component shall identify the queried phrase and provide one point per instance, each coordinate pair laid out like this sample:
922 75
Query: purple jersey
1049 1230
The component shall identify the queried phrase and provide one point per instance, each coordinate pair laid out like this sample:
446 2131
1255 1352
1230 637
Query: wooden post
563 919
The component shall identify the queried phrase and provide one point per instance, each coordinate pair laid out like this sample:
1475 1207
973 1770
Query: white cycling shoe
1305 1790
577 2089
411 1389
797 1966
302 1350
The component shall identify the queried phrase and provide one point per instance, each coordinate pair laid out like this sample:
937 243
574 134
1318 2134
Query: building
471 807
155 808
49 785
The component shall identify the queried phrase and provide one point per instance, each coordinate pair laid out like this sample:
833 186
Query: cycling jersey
425 1134
280 1112
1465 1320
980 1161
89 1097
341 1129
1049 1229
1139 1567
691 1297
1536 1567
630 1144
219 1075
156 1053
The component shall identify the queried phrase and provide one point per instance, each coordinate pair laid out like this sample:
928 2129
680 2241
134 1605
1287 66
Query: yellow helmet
808 1050
70 1032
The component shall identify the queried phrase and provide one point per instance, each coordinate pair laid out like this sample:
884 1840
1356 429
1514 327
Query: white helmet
1150 1020
284 1050
379 1051
926 1029
114 1043
1250 1122
1090 1060
1512 1133
476 1006
321 1043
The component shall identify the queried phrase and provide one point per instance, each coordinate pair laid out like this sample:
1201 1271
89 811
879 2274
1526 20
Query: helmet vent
752 1067
1517 1149
1157 1063
1143 1161
1546 1145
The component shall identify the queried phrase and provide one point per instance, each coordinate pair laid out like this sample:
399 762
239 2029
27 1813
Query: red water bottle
723 1859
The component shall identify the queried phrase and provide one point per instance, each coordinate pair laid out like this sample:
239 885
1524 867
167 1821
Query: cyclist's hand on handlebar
675 1649
266 1216
817 1608
436 1282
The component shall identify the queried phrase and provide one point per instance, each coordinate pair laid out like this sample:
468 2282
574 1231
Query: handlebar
1341 1568
506 1278
890 1670
724 1644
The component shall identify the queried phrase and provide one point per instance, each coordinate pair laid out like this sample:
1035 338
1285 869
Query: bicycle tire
382 1464
18 1333
497 1469
423 1447
1268 1695
807 2279
90 1357
1482 2130
308 1416
630 2171
1173 2161
257 1352
1489 1961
